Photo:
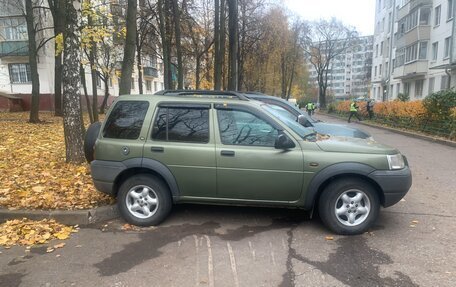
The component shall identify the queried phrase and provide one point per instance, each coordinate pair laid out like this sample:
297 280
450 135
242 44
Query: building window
381 48
444 83
423 51
132 83
376 50
411 53
380 70
400 57
435 50
20 73
446 48
406 88
450 10
375 71
389 21
148 85
425 14
437 15
155 87
431 85
13 29
398 88
419 88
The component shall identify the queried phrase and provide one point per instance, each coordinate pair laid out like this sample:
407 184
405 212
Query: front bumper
394 183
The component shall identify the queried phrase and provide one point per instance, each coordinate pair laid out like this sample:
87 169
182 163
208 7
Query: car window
303 132
125 120
243 128
181 125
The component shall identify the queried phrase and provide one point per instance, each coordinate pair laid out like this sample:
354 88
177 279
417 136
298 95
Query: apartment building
413 48
349 74
15 76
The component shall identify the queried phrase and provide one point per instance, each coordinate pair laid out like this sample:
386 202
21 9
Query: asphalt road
412 244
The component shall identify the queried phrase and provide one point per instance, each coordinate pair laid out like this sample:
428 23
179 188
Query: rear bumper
104 174
394 183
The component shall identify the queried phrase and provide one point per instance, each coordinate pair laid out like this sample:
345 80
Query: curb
68 217
406 133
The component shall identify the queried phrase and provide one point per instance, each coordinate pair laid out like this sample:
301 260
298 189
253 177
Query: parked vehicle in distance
307 121
153 151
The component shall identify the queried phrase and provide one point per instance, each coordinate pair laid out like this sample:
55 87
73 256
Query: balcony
150 72
404 10
14 48
419 33
411 70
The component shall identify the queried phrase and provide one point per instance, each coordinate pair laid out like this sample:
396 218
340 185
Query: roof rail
203 92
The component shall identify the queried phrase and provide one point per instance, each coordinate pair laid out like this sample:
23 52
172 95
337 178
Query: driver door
248 165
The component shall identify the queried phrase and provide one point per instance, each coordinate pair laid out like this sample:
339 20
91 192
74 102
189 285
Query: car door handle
157 149
227 153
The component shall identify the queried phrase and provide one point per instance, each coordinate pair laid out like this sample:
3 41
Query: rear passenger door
180 138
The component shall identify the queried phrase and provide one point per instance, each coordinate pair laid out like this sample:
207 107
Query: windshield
290 120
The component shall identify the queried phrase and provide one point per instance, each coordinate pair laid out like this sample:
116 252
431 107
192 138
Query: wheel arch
152 167
339 171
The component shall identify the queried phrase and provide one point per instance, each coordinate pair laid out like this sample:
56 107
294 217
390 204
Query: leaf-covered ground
33 171
30 232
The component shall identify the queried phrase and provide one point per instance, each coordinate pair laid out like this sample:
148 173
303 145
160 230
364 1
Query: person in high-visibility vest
353 111
309 108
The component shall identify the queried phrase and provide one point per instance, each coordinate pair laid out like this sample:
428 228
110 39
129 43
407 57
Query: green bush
403 97
439 105
331 108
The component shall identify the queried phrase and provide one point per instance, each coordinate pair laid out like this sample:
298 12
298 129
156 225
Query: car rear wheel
144 200
349 206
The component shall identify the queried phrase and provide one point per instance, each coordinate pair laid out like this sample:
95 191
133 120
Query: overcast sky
357 13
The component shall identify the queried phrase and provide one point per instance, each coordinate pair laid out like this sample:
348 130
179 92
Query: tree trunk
72 116
180 71
217 58
94 77
197 72
106 94
222 41
165 45
33 53
86 95
58 16
139 65
129 50
233 45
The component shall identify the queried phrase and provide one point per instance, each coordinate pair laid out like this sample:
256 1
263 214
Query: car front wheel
349 206
144 200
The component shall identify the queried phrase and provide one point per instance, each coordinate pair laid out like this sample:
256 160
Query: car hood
340 130
354 145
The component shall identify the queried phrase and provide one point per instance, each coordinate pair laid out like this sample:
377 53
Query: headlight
396 161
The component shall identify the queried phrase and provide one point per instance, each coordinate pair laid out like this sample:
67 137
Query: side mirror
283 142
303 121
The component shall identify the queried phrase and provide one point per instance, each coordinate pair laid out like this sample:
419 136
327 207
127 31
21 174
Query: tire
357 203
90 139
140 193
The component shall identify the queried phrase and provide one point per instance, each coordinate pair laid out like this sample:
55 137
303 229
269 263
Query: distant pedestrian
313 108
353 111
309 108
370 108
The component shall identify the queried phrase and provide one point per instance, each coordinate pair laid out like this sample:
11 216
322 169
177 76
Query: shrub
403 97
441 105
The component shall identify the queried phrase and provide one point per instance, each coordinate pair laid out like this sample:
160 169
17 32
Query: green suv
222 148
